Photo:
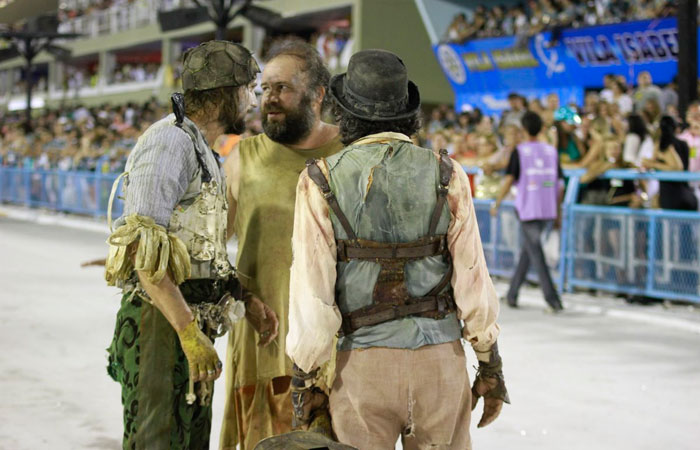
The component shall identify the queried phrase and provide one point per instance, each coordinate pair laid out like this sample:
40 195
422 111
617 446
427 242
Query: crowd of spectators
618 127
95 17
126 73
532 17
335 47
86 139
72 9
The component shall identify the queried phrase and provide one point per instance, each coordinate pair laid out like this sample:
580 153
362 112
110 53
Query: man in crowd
387 251
262 172
168 253
645 92
534 166
516 111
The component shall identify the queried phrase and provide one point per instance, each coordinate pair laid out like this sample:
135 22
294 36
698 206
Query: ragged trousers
422 396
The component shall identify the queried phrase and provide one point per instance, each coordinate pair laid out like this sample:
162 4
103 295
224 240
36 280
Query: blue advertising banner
482 72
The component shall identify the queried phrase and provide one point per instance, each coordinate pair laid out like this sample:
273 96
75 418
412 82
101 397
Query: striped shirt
160 169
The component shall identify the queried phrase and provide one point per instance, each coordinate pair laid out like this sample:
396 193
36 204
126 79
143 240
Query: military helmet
301 440
214 64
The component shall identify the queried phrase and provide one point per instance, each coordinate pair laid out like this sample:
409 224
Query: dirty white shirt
314 317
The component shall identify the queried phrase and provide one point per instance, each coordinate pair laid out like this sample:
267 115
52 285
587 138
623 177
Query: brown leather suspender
317 176
391 299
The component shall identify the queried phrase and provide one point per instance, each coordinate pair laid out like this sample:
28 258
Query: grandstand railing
646 252
71 192
113 20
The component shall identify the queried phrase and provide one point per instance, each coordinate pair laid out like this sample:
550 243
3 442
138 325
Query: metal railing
648 252
71 192
113 20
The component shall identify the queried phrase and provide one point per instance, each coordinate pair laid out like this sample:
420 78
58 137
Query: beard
295 126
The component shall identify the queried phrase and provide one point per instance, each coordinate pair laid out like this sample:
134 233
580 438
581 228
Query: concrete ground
604 375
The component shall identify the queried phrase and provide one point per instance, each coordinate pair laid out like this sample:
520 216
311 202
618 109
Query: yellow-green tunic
269 173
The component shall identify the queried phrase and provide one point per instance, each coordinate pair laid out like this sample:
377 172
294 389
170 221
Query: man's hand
309 403
263 319
492 406
489 383
201 356
494 209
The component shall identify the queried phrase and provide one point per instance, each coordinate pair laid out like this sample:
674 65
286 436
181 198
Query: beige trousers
422 395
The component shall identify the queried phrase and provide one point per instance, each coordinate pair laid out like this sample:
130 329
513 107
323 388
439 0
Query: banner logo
549 58
452 64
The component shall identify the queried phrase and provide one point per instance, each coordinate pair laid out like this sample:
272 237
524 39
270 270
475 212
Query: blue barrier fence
647 252
73 192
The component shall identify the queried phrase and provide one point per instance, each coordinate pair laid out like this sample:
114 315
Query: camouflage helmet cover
214 64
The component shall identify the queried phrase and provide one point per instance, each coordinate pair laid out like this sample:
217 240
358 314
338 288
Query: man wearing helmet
168 254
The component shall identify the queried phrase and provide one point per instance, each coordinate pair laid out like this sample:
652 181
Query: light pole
29 44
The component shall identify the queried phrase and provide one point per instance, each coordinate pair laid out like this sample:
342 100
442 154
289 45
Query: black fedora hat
376 87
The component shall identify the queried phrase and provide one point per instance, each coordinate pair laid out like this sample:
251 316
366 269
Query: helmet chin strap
178 102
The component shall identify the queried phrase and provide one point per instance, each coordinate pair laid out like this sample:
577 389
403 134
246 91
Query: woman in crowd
614 192
671 154
620 97
568 143
638 143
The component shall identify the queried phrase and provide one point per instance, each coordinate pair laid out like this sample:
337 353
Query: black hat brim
412 105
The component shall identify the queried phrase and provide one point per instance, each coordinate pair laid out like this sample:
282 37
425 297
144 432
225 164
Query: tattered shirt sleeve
160 168
314 318
475 295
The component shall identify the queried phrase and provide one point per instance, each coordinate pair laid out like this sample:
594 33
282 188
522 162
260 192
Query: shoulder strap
320 179
112 194
445 176
178 102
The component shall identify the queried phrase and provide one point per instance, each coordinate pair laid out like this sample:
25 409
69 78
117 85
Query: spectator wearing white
692 137
520 21
458 29
619 97
646 91
607 93
638 143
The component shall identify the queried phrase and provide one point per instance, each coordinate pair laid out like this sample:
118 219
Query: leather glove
309 403
201 356
490 384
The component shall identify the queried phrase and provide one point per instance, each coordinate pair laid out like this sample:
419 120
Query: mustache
273 108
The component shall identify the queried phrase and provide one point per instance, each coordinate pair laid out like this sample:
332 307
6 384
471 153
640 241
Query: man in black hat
387 254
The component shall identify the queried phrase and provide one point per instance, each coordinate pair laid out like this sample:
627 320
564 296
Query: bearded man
263 173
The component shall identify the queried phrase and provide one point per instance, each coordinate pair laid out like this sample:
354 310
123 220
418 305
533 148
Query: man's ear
320 96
